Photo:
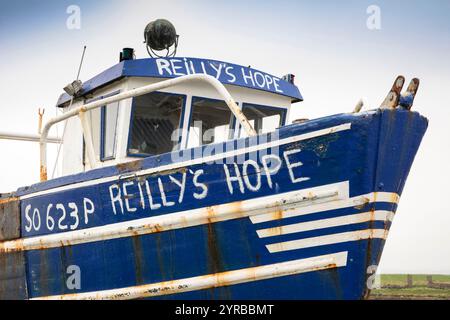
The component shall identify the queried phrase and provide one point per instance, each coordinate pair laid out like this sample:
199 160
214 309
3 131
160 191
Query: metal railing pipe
220 88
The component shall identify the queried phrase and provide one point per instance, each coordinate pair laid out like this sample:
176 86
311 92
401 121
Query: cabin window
264 119
155 120
103 122
109 117
210 122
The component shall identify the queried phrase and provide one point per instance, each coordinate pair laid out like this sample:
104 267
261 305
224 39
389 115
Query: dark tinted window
109 127
154 123
263 119
210 122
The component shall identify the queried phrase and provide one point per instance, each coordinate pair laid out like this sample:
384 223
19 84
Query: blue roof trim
102 79
227 73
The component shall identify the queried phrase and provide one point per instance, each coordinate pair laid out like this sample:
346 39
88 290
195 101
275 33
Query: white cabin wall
72 157
72 150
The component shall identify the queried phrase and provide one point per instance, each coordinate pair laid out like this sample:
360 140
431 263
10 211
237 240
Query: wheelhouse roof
227 73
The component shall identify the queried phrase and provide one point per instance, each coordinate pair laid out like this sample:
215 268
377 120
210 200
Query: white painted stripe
379 215
222 279
212 158
357 201
327 240
178 220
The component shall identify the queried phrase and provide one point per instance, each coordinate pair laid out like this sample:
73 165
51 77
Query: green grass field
394 286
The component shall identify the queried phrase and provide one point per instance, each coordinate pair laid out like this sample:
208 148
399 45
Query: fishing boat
181 178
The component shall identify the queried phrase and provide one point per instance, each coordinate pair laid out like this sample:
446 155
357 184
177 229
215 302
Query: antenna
81 63
75 88
76 84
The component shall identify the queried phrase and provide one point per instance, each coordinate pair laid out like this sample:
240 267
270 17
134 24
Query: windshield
264 119
210 122
154 124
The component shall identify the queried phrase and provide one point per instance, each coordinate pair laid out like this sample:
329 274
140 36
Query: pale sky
336 58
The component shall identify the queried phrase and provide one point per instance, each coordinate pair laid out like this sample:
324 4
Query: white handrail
223 92
30 137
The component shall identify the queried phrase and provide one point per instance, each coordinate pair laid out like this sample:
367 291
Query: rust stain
210 214
372 215
139 260
301 120
167 172
149 229
361 206
158 228
43 173
7 200
160 256
18 246
184 221
275 231
129 166
214 257
394 198
277 214
213 213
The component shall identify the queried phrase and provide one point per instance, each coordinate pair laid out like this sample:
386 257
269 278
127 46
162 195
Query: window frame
262 106
180 124
103 112
231 125
101 143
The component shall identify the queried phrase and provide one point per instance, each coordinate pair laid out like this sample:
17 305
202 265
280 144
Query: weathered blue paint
227 73
375 155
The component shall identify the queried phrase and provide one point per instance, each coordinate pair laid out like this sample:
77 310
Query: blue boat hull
303 214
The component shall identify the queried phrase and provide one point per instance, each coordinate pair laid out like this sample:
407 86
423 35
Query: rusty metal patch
13 285
9 219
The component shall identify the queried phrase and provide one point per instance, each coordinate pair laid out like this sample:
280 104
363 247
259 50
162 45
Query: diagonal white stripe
330 205
228 278
380 215
327 240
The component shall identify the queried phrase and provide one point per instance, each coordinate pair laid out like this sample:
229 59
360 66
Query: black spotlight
161 35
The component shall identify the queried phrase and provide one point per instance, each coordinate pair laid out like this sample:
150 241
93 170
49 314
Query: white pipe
26 137
223 92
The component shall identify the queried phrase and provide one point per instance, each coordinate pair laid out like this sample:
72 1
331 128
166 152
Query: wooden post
409 280
430 281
